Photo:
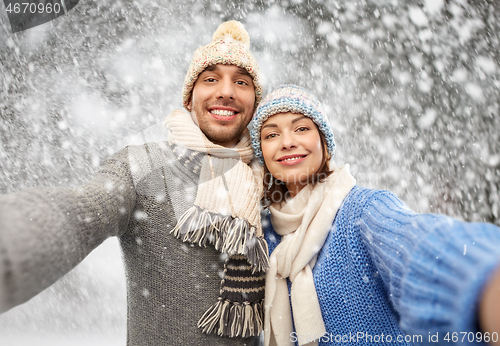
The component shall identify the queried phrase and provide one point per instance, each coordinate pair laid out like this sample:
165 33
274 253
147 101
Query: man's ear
190 103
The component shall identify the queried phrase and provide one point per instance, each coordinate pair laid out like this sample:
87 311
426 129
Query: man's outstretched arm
45 232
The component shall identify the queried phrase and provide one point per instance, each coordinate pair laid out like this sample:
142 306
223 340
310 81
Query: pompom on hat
294 99
230 46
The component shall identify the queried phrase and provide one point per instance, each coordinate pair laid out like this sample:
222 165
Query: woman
353 265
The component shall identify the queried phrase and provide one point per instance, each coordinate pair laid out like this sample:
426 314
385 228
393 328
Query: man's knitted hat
230 46
293 99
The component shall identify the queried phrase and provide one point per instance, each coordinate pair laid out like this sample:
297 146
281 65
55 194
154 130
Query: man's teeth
222 113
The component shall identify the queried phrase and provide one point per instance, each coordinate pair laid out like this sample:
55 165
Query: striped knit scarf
226 213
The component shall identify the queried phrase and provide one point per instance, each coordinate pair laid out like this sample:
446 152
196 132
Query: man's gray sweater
138 196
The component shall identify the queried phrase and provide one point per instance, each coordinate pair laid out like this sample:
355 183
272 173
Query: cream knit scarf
303 223
226 213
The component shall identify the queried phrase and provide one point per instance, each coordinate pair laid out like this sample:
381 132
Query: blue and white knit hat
294 99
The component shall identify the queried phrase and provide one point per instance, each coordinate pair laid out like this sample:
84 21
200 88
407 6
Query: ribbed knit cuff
435 267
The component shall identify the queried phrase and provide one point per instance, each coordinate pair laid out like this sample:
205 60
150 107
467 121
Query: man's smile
223 113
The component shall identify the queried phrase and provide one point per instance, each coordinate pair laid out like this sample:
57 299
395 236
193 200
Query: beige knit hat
230 46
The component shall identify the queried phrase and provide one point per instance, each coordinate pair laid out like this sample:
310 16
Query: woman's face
292 150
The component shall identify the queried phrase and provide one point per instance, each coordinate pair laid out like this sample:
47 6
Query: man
184 209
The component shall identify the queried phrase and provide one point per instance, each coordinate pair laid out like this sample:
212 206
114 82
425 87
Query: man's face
223 102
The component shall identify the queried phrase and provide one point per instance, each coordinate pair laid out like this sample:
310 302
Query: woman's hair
278 191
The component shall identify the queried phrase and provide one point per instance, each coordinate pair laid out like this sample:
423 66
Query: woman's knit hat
293 99
230 46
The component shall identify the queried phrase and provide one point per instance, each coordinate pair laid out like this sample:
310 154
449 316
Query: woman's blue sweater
387 275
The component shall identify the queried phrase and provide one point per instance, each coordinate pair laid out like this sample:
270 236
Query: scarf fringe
234 236
243 319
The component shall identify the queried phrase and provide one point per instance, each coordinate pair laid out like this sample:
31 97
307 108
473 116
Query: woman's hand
489 307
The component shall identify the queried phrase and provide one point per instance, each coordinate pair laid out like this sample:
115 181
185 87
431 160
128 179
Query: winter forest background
411 87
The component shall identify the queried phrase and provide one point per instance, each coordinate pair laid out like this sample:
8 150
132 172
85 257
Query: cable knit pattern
387 270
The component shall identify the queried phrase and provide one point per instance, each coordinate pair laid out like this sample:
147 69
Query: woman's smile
290 160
